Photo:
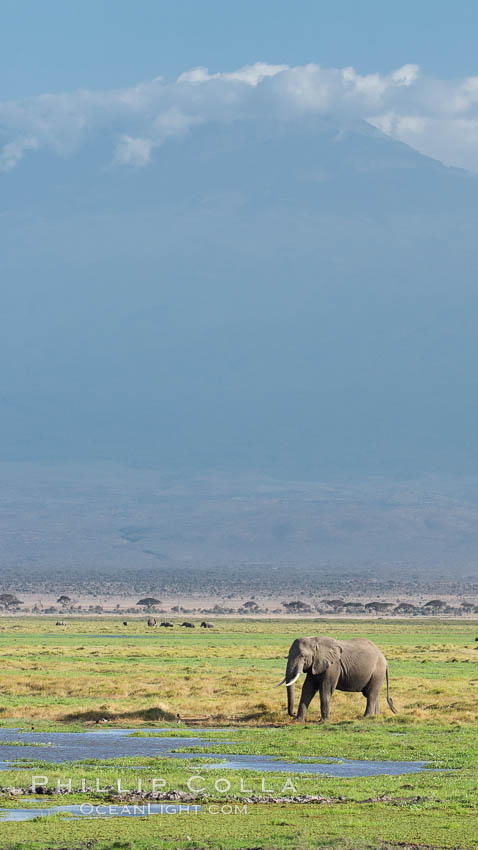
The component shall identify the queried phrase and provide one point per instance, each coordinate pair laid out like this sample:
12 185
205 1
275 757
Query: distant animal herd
166 624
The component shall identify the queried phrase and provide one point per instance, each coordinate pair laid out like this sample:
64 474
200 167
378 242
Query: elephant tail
389 698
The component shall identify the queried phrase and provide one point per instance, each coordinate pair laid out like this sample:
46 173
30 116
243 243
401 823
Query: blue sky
57 45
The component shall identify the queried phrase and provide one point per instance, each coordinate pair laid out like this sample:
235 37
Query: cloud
437 117
250 74
13 152
137 151
131 151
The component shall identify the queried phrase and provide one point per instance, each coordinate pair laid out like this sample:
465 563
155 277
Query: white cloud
13 152
173 122
406 75
437 117
133 151
136 151
250 74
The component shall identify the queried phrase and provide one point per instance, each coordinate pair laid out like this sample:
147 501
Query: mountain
286 297
114 528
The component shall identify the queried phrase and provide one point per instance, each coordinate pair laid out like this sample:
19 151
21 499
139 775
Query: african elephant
349 665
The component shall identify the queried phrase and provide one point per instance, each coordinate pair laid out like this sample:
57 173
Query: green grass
66 679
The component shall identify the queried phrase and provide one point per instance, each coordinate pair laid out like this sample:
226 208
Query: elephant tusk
280 683
293 681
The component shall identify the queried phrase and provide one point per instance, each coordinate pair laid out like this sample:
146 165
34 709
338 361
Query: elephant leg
372 706
309 689
372 692
325 691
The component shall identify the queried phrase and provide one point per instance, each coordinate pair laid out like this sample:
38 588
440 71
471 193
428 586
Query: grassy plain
69 677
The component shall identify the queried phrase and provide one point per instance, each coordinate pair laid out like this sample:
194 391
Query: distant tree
148 602
250 604
9 600
405 608
435 603
377 606
297 607
64 600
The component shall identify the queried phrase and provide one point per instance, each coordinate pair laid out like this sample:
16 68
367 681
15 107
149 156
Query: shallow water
102 744
87 810
342 768
107 744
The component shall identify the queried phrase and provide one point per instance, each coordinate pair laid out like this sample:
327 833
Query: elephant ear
327 652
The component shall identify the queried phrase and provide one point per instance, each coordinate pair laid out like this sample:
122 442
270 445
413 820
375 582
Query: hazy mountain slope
288 297
87 524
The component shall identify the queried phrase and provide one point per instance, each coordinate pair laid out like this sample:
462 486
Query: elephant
349 665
